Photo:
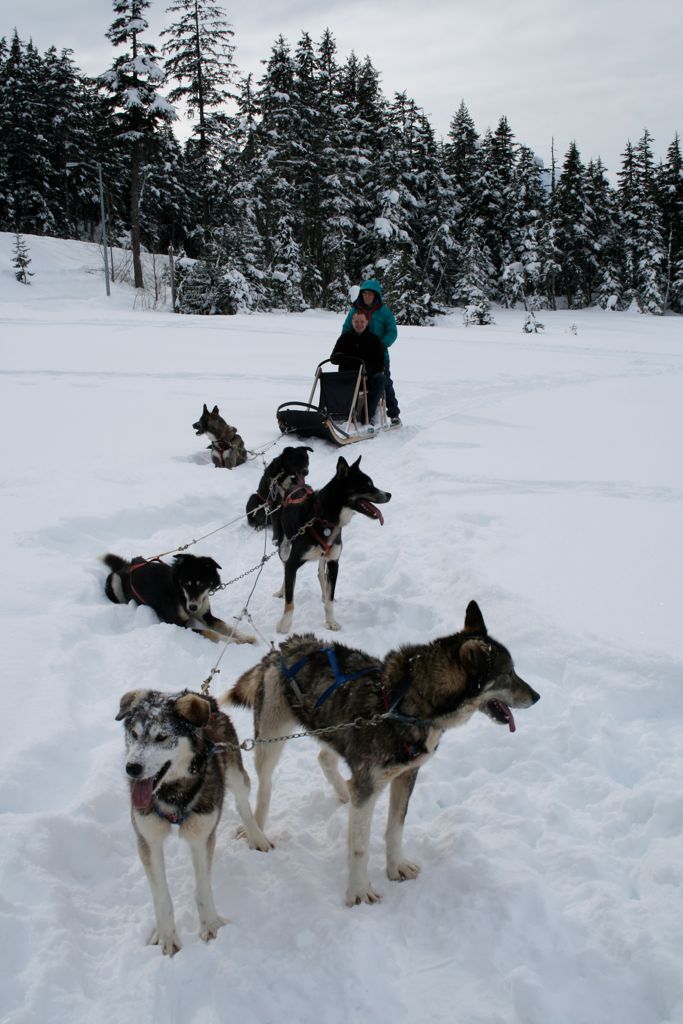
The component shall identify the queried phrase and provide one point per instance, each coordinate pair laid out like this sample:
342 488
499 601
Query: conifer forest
293 187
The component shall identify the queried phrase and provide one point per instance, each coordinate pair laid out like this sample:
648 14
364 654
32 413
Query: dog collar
172 819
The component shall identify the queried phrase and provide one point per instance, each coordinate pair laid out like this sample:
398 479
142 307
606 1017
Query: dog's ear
205 410
475 657
215 563
474 620
356 464
193 708
128 702
342 467
306 448
214 411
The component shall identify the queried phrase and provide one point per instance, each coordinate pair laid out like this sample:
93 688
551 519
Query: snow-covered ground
540 475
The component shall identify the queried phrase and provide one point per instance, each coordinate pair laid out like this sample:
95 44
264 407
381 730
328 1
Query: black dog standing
288 471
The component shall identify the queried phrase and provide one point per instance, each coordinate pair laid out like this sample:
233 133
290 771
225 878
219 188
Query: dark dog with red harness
178 593
311 531
287 471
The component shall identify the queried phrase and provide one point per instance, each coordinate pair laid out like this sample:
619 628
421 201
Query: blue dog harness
391 710
339 677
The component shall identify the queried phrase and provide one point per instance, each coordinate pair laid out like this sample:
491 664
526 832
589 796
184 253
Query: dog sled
341 412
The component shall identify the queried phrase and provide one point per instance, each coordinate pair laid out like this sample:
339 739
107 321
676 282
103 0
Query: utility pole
104 229
103 222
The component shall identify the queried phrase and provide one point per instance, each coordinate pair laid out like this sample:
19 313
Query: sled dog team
384 717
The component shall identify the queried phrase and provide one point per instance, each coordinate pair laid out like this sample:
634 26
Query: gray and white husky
181 754
408 700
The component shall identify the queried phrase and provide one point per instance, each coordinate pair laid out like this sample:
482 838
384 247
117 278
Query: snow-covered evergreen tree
530 213
477 279
199 53
462 165
366 139
602 277
277 165
24 148
669 183
571 219
133 82
495 191
642 228
401 174
335 167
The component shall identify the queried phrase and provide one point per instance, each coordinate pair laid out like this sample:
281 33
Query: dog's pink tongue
511 718
141 793
374 511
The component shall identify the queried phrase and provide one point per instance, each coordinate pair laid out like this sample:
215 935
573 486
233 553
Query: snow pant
389 393
376 385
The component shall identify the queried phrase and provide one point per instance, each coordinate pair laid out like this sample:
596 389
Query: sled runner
341 414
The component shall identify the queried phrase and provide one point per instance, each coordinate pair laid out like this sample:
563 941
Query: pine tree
644 254
495 194
462 165
242 245
669 184
530 212
603 283
22 260
277 166
335 180
571 217
476 281
132 82
365 140
24 147
199 57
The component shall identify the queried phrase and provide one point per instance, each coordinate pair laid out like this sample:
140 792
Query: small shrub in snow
22 260
478 313
532 325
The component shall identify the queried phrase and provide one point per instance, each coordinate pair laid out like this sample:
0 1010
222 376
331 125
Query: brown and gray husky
408 700
227 447
181 755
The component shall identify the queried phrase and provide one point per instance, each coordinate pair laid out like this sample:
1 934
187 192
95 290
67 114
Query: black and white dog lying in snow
182 754
311 531
178 593
280 476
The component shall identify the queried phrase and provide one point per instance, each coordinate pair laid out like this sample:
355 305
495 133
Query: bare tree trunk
136 160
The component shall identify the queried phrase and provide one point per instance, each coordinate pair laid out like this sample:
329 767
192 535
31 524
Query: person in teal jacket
383 325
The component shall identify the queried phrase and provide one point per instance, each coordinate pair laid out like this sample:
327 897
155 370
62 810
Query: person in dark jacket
383 324
359 342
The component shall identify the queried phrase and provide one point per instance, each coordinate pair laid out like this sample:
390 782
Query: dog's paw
241 638
332 624
169 942
260 842
209 929
403 871
285 623
279 593
257 840
362 894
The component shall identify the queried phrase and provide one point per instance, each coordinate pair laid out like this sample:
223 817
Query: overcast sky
593 71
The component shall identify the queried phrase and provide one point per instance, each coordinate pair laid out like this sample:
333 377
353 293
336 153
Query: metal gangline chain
245 613
206 683
238 518
357 723
255 452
